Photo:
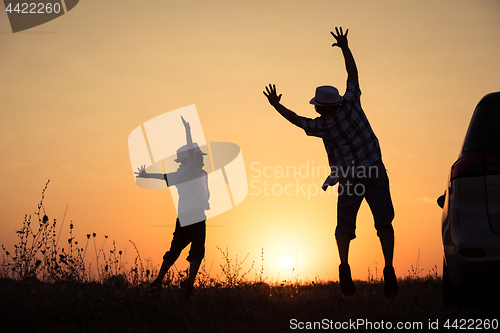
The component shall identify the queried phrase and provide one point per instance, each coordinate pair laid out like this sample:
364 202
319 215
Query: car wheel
449 291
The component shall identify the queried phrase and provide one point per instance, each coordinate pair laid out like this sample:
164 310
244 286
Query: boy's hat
326 96
183 154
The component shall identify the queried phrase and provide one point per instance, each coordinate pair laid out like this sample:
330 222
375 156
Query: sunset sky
73 89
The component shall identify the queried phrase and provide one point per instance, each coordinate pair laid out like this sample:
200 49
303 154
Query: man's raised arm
350 64
274 100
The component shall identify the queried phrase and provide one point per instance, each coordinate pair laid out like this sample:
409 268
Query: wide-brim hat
326 96
183 153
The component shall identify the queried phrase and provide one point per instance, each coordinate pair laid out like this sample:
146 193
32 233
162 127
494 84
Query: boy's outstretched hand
142 172
340 37
271 95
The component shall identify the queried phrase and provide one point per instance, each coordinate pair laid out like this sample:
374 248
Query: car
471 206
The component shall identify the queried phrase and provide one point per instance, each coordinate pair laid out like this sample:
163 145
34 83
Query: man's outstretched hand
271 95
340 37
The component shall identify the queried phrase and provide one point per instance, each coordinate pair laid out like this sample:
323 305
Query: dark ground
33 306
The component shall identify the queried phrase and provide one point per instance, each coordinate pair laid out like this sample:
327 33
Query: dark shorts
372 185
194 234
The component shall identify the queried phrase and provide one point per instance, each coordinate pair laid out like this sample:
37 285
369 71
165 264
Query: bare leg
193 270
343 241
165 266
386 236
346 284
189 282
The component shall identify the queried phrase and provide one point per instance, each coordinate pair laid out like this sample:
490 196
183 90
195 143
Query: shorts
194 234
372 185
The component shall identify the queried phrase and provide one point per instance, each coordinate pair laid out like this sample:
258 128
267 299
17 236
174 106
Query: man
356 163
190 227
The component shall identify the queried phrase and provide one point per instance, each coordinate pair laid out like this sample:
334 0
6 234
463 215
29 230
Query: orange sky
73 89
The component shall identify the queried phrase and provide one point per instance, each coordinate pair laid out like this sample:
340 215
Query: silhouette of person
191 182
356 164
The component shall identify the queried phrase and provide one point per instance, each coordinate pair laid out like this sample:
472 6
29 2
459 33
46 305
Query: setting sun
285 261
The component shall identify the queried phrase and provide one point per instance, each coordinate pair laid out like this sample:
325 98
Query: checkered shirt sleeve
348 137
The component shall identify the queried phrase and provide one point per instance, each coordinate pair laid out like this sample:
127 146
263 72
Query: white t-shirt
191 182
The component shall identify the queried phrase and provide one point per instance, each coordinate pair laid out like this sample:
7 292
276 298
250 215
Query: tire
449 291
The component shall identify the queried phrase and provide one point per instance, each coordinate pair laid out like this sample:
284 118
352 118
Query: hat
326 96
183 154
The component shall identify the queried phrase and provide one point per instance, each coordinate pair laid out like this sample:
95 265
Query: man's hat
326 96
183 154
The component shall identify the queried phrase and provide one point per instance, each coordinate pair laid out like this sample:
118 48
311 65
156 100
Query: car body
471 204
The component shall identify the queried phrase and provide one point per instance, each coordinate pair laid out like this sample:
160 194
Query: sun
285 261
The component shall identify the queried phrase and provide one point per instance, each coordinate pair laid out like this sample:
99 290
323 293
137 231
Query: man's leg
347 210
378 197
386 236
343 241
346 284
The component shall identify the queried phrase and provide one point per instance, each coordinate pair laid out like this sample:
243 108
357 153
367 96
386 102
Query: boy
190 227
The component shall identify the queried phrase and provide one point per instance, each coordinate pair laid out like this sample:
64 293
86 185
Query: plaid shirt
348 137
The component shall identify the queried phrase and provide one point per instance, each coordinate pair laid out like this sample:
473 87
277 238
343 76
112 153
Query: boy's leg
187 284
197 251
165 266
179 242
193 270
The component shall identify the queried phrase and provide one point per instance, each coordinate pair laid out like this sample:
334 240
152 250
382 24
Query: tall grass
38 254
232 272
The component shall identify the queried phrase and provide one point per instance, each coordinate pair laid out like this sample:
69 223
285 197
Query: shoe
346 284
390 282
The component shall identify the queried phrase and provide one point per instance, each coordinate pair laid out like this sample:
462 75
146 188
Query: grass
115 306
47 287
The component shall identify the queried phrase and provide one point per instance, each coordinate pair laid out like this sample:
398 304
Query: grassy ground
34 306
48 287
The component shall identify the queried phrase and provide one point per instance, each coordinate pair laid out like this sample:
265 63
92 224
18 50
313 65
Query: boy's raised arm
189 139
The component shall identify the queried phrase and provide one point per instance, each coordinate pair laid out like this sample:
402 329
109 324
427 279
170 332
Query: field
44 288
115 306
